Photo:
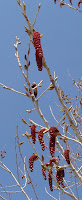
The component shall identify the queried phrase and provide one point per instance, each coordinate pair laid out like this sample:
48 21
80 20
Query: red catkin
33 133
66 155
31 161
79 3
50 179
71 2
59 177
53 131
37 43
38 61
53 160
52 145
62 4
39 52
44 172
40 138
55 1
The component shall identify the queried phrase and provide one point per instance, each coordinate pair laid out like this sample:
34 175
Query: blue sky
62 47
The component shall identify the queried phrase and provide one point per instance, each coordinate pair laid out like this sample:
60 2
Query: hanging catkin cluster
50 172
53 131
38 48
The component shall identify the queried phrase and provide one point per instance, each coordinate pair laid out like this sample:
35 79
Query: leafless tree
59 154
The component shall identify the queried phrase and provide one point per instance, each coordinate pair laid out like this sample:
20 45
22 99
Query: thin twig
62 103
70 6
74 82
36 16
5 192
23 7
8 88
2 197
18 58
16 159
25 173
7 169
49 194
32 122
42 94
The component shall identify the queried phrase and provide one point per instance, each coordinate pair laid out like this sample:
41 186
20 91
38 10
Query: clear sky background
62 47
